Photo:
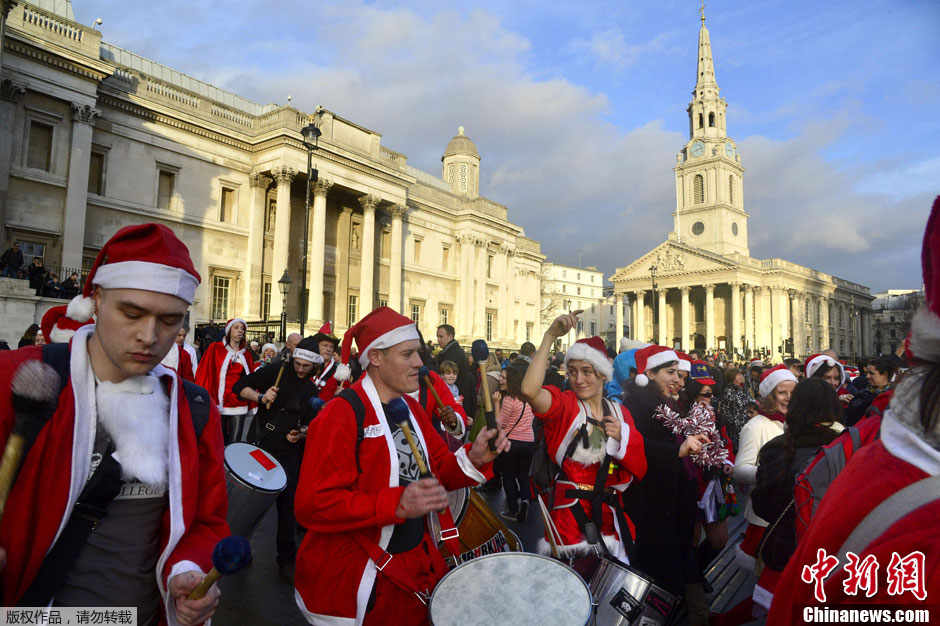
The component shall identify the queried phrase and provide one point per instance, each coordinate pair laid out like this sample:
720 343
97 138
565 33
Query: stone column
641 334
504 316
783 304
463 318
865 319
283 176
254 272
342 267
775 325
315 252
618 324
710 317
10 94
479 294
76 193
395 266
749 318
799 326
662 339
684 331
366 286
735 339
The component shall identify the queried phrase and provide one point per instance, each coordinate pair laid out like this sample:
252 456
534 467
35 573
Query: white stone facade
566 288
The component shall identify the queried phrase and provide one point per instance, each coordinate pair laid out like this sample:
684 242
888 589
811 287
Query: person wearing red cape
222 365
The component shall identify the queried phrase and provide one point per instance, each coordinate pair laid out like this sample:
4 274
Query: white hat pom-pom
343 372
642 380
80 308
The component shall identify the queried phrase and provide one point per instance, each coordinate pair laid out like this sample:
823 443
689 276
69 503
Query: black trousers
514 466
286 522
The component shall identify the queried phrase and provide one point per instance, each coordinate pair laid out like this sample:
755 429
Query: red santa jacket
430 404
219 370
334 575
326 382
884 467
178 360
561 423
56 468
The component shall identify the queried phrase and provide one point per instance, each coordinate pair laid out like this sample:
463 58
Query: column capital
466 239
685 289
397 211
86 114
640 293
259 179
368 202
10 90
507 248
735 285
283 174
662 291
321 187
709 288
757 289
748 287
481 242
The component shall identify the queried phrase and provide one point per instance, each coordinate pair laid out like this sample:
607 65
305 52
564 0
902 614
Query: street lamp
311 134
284 286
653 269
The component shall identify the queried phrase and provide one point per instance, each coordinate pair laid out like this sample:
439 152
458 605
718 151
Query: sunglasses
706 395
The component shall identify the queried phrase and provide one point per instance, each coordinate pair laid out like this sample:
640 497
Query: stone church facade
101 138
702 290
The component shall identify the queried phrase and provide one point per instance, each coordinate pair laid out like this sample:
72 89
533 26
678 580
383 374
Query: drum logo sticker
625 604
497 544
372 431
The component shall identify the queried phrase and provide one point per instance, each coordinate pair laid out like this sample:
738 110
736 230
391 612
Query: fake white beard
136 414
588 456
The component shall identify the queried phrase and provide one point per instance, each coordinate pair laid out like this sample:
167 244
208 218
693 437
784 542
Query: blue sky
578 108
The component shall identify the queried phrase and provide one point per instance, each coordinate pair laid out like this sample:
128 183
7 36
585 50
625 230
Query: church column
10 93
684 331
479 293
749 318
394 259
316 252
710 317
76 192
618 324
505 317
366 286
783 314
734 342
799 324
463 322
775 336
254 272
283 176
641 333
662 339
342 267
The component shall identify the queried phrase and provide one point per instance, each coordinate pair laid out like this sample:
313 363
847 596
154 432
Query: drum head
521 589
254 467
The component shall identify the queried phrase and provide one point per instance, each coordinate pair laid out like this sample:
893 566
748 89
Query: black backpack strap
359 409
199 407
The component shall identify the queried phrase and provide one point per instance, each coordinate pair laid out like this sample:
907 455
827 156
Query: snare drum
481 532
521 589
253 480
626 597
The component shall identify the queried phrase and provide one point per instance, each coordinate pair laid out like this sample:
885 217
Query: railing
173 94
48 22
397 158
232 116
45 287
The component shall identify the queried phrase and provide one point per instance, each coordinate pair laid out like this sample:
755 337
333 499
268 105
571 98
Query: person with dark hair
51 287
795 366
29 337
12 261
72 285
466 380
4 345
664 529
733 406
36 273
879 373
515 419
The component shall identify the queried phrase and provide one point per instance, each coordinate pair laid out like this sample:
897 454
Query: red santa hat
145 256
756 363
851 372
382 328
816 361
58 327
651 357
685 361
631 344
773 377
923 343
228 329
594 351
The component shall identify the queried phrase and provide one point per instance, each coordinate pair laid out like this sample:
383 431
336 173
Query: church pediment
672 259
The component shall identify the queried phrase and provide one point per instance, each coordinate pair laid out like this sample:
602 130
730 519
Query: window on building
227 205
165 189
698 189
579 291
386 244
528 332
96 173
39 155
731 189
416 314
221 288
701 120
611 309
32 250
351 310
579 275
417 252
445 257
271 214
266 301
711 120
593 328
892 318
445 315
489 266
564 288
580 327
894 333
564 273
489 327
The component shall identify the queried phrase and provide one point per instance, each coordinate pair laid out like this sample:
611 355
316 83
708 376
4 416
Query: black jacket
662 505
290 410
466 380
36 274
13 258
774 491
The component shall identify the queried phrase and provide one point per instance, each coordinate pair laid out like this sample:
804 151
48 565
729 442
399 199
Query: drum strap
388 565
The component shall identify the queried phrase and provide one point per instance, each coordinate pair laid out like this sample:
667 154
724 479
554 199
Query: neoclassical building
702 289
97 137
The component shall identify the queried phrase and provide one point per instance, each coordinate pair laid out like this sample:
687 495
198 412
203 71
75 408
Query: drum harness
596 494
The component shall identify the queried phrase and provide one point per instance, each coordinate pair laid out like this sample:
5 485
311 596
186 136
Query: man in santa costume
591 439
58 327
888 521
179 360
223 363
326 381
154 540
368 557
188 347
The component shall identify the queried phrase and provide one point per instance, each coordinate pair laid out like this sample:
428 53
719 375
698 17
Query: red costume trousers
393 605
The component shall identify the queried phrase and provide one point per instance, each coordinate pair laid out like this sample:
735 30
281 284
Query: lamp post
853 314
311 134
284 286
653 269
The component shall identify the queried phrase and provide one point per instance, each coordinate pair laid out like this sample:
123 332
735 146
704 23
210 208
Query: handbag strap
763 541
521 413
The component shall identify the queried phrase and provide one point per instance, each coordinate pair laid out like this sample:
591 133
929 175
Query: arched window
701 121
731 189
711 119
698 189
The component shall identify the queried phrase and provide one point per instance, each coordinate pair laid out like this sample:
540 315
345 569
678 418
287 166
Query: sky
578 107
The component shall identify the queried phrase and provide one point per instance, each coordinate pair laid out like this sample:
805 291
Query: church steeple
705 79
707 109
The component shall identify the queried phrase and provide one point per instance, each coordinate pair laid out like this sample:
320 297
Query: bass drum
253 480
627 597
481 531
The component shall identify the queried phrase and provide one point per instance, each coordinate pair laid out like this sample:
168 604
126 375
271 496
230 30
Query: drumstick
230 555
277 381
481 352
398 412
425 375
547 520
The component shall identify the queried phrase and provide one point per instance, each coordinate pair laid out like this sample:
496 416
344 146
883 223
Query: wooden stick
414 449
549 530
437 398
277 381
487 403
203 588
12 457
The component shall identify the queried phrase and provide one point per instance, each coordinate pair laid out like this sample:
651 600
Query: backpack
813 480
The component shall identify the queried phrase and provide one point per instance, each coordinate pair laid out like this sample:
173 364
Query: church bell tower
709 178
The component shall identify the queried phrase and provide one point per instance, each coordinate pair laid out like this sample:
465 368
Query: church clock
729 149
698 148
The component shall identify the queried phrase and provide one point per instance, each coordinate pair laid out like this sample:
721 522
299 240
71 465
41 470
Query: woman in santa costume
368 557
223 363
155 539
326 381
901 520
587 436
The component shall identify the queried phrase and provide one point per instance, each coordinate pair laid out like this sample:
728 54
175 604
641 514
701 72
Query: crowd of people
639 455
46 282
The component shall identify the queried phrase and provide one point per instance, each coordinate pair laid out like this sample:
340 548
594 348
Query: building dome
460 145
